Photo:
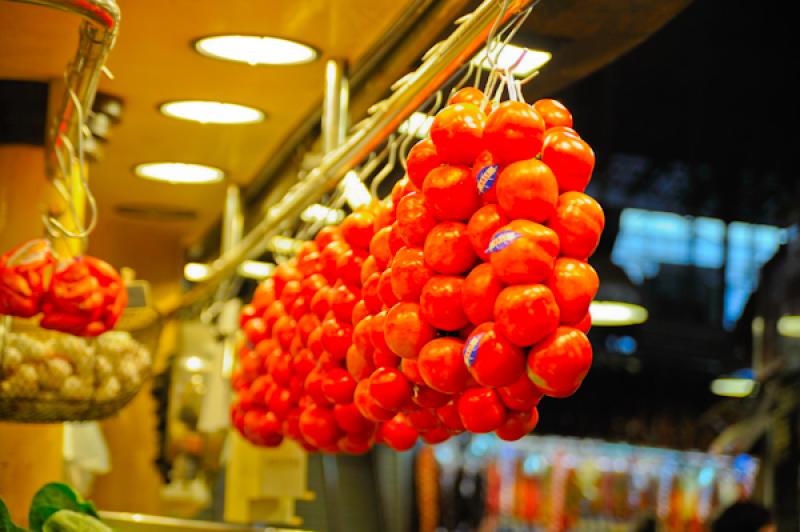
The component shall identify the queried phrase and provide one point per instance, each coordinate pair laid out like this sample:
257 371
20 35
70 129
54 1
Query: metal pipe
231 219
437 68
334 105
97 35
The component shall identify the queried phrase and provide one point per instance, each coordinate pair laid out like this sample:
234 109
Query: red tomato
579 221
362 334
390 388
355 444
520 395
398 433
491 358
315 342
291 291
409 274
518 424
343 300
479 292
440 303
423 419
526 313
318 426
401 189
367 405
359 362
336 337
523 252
441 365
571 160
471 95
384 213
395 242
338 386
448 415
376 333
281 369
350 420
358 228
410 369
360 311
303 362
264 295
456 131
247 313
484 174
327 235
584 325
426 397
514 131
437 435
320 302
255 329
481 410
385 359
422 158
305 326
528 190
448 249
385 289
574 284
406 331
558 364
311 285
308 259
368 267
414 219
298 308
450 193
370 293
348 266
482 226
329 258
283 274
281 402
553 112
284 330
271 315
379 247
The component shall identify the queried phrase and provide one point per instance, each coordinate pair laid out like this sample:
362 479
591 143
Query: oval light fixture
179 173
616 313
256 50
211 112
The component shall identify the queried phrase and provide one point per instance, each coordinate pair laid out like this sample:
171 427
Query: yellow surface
154 62
30 455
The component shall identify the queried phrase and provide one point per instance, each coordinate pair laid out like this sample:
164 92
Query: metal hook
391 163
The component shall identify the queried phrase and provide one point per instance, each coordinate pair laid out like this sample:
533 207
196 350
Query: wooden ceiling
154 62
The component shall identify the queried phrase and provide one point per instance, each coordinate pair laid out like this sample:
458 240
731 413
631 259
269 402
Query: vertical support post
231 219
334 128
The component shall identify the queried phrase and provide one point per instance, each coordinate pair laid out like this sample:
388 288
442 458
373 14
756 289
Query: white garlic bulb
54 372
11 359
108 390
76 388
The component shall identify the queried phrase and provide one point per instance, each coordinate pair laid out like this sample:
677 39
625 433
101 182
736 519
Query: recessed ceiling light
183 173
616 313
505 57
256 50
210 112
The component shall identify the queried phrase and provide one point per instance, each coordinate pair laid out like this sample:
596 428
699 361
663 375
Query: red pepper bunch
84 296
25 273
453 305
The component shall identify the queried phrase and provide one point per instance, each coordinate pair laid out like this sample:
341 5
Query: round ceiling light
183 173
256 50
210 112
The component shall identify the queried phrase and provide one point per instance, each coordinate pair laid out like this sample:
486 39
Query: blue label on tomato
471 349
501 240
486 178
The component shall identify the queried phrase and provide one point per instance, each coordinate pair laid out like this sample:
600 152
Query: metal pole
441 63
334 105
231 219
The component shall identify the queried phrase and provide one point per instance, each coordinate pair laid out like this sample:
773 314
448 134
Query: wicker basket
48 376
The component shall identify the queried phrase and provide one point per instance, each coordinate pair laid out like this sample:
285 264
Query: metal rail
97 35
441 62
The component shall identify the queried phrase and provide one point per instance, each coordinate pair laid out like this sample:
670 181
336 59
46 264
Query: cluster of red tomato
452 305
84 296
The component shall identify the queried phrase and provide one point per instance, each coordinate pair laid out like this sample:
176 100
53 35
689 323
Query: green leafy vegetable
54 497
69 521
6 525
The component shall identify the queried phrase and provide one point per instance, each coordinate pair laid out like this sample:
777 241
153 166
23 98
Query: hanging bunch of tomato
452 305
83 296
